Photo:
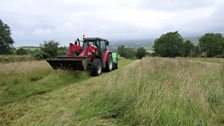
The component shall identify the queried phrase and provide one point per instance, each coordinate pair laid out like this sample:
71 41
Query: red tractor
91 54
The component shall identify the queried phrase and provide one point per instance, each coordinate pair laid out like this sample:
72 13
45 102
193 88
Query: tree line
172 44
131 53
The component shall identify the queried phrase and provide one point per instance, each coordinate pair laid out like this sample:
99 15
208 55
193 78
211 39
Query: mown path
55 107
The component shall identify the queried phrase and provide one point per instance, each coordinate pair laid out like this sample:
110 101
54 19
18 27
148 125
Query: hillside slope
153 91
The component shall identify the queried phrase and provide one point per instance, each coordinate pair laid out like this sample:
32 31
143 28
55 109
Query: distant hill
29 47
194 40
133 43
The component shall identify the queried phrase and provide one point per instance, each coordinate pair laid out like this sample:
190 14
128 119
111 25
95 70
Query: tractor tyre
109 63
115 66
96 67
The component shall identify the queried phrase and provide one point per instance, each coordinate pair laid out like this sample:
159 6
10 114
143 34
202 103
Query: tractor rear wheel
96 67
109 63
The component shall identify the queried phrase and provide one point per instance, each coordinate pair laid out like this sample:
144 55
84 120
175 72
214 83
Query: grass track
25 85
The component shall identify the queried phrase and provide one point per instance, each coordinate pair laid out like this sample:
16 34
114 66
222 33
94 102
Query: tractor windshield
85 43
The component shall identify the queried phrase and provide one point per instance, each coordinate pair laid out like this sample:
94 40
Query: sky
33 21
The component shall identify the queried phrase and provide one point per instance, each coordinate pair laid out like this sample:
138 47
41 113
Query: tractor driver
77 48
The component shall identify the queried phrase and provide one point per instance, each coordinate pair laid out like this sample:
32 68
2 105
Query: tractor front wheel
96 67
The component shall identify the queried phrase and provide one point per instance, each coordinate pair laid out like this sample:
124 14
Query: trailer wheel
115 66
109 63
96 67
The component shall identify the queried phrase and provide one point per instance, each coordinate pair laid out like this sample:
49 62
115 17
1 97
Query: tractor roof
94 39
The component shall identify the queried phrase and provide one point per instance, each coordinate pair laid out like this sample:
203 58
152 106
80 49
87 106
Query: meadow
151 91
14 58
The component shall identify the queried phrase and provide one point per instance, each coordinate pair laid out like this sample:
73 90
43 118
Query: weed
35 78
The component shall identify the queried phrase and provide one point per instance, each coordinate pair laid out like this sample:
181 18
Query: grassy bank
159 92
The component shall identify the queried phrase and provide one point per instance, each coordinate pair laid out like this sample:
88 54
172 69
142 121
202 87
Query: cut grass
34 94
20 80
24 79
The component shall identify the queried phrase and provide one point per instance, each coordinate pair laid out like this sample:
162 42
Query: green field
152 91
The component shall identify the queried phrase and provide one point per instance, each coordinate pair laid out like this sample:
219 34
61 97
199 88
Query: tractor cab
100 44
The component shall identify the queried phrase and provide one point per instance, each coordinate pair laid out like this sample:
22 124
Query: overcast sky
33 21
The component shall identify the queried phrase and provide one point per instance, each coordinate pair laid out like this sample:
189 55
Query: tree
169 45
141 52
50 48
188 49
126 52
21 51
6 40
39 55
212 44
121 50
196 51
62 51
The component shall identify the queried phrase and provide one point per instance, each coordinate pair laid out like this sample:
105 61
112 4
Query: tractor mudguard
105 58
105 55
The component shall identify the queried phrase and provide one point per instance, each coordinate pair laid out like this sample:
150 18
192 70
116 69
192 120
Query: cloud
175 5
34 21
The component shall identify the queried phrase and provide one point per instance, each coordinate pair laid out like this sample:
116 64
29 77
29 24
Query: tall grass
14 58
159 92
209 60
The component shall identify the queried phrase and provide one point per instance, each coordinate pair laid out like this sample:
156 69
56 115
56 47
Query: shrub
21 51
50 48
141 52
39 54
126 52
62 51
188 49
